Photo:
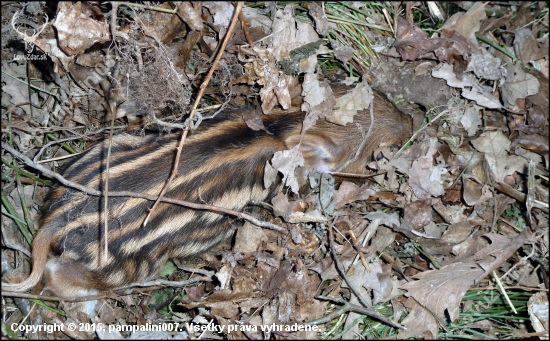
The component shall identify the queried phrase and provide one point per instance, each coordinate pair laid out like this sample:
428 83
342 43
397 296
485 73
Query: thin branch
416 133
366 136
369 311
128 290
174 173
347 307
35 159
188 204
108 160
245 29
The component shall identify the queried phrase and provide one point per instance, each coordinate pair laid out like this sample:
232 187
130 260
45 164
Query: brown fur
223 162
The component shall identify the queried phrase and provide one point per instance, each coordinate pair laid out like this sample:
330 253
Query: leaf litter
446 216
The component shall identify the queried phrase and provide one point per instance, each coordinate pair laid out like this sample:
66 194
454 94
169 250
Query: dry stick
245 29
363 143
114 10
347 307
504 292
80 136
195 105
534 334
425 126
357 176
357 247
90 191
369 311
129 290
530 190
514 193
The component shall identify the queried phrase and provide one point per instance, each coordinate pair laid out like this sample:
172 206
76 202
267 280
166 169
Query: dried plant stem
157 284
107 166
152 8
347 307
245 29
203 86
504 292
80 136
369 311
416 133
360 254
514 193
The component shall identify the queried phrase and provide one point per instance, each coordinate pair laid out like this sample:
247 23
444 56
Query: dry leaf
445 71
222 12
281 205
412 43
286 162
253 119
421 179
349 192
248 238
496 146
411 322
318 100
190 15
443 289
538 312
419 213
318 15
254 19
18 92
519 84
270 175
526 46
487 67
483 99
440 290
471 120
467 24
76 31
348 105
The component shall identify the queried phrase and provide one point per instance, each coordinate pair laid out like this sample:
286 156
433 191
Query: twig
416 133
356 176
35 159
165 283
369 311
347 307
90 191
514 193
188 122
158 9
358 248
195 105
530 190
504 293
123 291
108 161
245 29
532 335
361 146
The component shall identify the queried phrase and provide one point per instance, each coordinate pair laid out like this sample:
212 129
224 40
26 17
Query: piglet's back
222 164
